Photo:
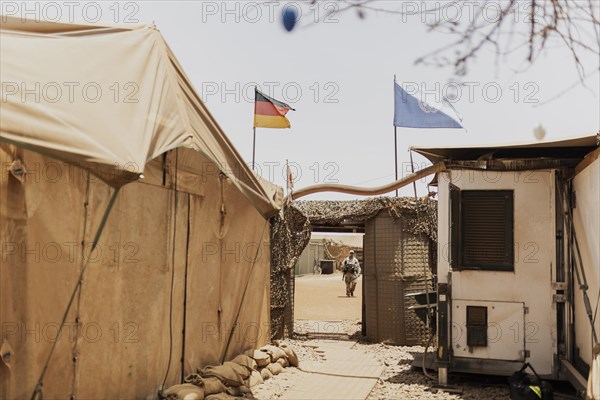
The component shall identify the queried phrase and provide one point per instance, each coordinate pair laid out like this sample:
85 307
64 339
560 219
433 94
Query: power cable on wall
162 386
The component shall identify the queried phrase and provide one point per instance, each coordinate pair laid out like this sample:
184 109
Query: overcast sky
338 75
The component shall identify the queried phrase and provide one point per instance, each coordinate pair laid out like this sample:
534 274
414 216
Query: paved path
346 374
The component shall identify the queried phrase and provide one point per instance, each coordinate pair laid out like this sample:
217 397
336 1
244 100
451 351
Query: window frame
458 258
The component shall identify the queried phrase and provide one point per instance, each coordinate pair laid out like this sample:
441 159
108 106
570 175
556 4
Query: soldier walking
351 271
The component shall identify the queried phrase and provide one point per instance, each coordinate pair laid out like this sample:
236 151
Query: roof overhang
531 155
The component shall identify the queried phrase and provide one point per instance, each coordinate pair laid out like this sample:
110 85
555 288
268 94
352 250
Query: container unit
518 258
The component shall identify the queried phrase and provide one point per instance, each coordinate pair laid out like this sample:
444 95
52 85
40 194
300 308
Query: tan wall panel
120 346
203 286
220 260
246 274
125 301
40 262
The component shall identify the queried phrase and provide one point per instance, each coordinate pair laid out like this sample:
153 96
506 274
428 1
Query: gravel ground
276 386
399 379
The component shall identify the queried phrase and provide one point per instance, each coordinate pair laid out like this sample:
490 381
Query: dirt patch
323 297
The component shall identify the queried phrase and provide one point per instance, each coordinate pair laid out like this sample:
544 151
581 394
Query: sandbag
290 354
265 374
229 373
254 379
242 371
261 357
213 385
283 362
221 396
234 391
275 368
245 389
185 391
194 379
245 361
275 352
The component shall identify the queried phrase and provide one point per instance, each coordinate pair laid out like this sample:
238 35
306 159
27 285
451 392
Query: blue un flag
410 112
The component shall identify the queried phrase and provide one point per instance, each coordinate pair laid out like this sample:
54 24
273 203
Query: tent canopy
110 99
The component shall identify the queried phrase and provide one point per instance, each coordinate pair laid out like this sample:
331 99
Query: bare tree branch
574 23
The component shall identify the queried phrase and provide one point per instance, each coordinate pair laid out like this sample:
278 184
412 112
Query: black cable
185 283
162 386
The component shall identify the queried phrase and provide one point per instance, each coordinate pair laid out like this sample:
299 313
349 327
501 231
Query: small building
311 257
518 257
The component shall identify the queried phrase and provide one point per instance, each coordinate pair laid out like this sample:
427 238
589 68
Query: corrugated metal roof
576 147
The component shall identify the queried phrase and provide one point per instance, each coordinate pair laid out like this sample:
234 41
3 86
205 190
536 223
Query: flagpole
396 154
254 132
395 143
254 149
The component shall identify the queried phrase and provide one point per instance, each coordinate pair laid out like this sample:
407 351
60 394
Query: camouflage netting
290 234
338 252
420 216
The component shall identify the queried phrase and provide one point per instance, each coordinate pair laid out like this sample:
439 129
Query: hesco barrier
396 263
402 243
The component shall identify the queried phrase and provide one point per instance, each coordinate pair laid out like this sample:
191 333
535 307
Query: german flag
270 113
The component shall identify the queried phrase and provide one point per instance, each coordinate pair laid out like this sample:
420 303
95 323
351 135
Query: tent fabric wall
35 251
109 99
116 341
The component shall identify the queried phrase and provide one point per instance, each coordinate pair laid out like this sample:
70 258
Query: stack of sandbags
272 359
234 378
187 391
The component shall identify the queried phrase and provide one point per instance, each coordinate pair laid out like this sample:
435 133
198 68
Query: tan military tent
183 257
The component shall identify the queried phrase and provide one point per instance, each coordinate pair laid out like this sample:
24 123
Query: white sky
353 62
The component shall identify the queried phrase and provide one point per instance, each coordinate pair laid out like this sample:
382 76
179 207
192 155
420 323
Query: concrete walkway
346 374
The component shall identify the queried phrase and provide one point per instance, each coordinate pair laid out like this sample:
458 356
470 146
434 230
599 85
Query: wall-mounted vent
481 229
477 322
